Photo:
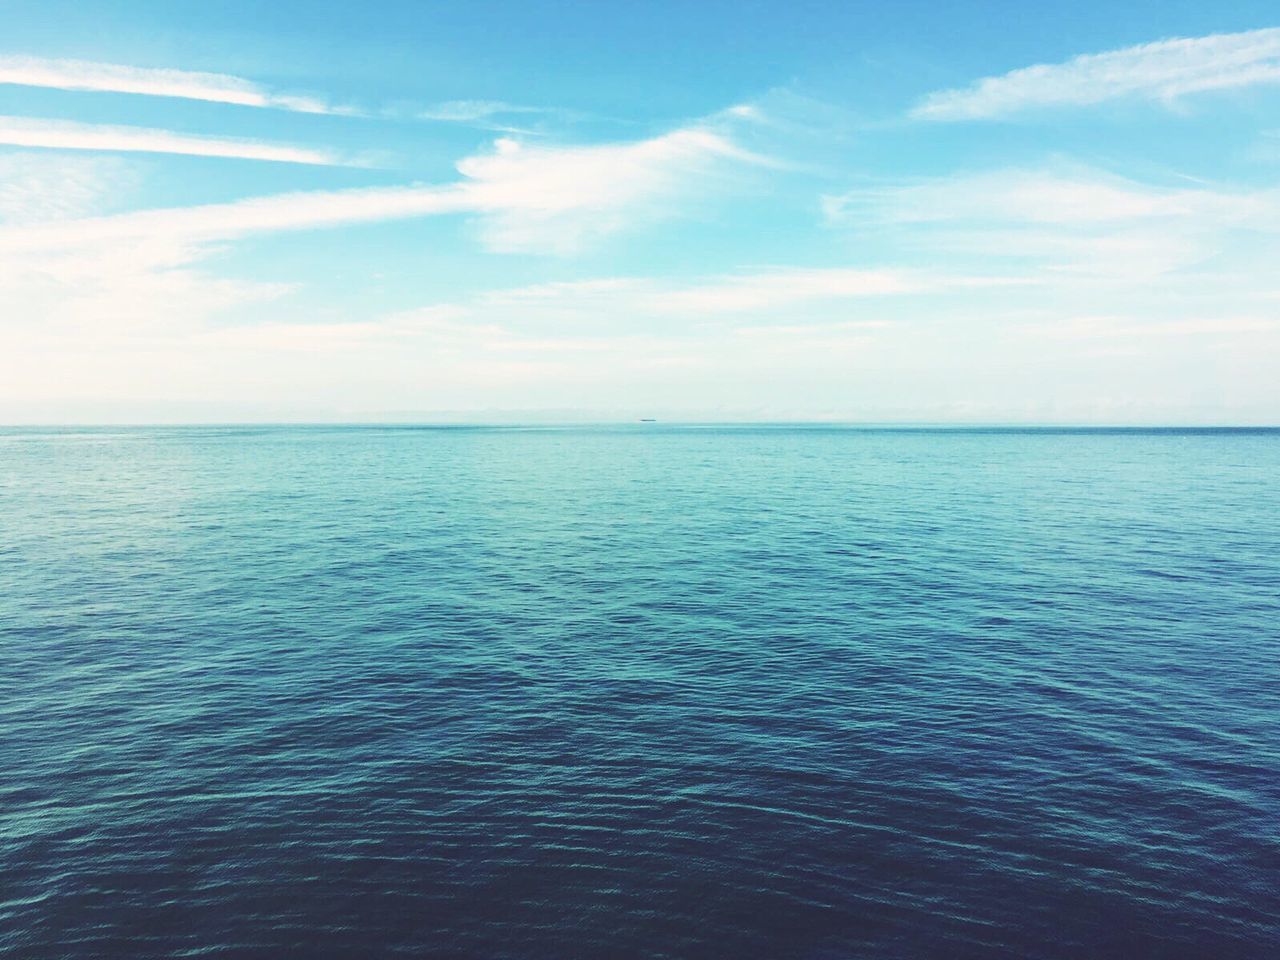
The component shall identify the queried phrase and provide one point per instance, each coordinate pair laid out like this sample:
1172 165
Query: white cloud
544 199
148 81
606 302
602 344
1103 327
1060 204
778 288
227 221
38 187
1035 196
469 111
1075 220
114 296
769 288
1164 70
555 199
560 291
67 135
135 271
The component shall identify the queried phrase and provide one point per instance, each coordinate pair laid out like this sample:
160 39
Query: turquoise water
640 691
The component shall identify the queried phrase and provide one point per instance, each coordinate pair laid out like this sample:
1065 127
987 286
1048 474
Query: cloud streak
37 187
544 199
67 135
73 275
228 221
1165 70
469 111
744 292
784 287
556 199
1074 195
153 82
1072 221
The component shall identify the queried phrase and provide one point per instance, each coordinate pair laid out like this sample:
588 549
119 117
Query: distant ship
648 420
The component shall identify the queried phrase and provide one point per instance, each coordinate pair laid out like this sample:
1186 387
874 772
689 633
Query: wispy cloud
36 187
1072 221
1164 70
80 277
1103 327
155 82
784 287
556 199
1049 196
228 221
499 116
763 290
469 111
68 135
544 199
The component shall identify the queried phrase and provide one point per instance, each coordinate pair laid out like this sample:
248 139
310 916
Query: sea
639 691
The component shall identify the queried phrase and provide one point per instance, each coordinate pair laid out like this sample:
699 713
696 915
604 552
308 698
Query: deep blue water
639 692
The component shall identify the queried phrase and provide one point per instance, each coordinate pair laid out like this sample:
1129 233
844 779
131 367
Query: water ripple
653 692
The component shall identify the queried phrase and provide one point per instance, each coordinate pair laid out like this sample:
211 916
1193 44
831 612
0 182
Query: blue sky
916 211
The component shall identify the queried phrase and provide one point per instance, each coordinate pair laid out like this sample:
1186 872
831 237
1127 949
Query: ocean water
639 692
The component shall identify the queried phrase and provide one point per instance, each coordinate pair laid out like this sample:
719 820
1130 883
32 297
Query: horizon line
638 422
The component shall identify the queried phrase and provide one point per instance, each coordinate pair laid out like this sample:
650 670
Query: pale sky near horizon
945 212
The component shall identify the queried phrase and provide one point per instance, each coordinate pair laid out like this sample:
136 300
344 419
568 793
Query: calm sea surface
639 692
